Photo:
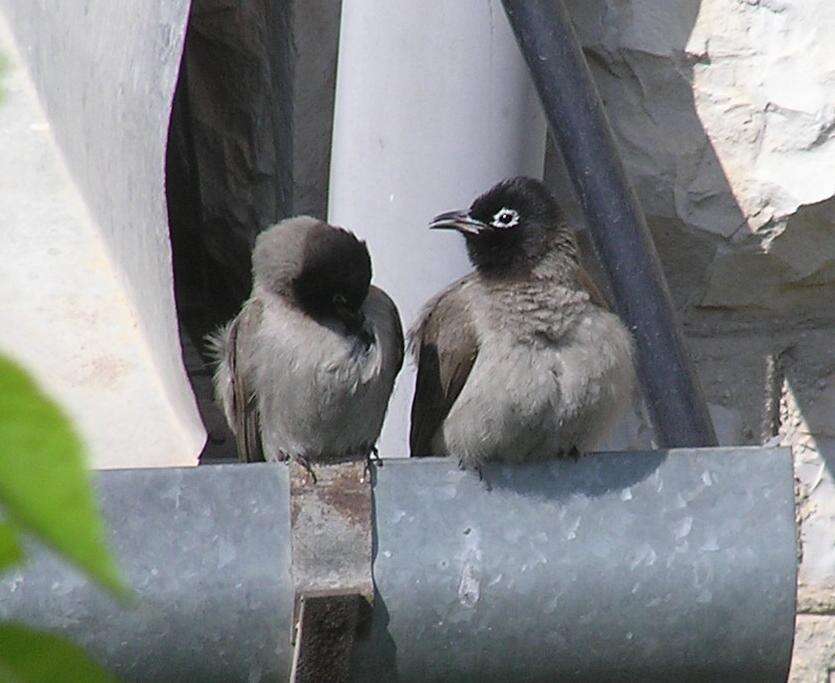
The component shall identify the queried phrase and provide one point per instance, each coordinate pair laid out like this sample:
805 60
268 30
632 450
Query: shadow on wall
644 67
644 74
748 253
226 181
221 182
249 144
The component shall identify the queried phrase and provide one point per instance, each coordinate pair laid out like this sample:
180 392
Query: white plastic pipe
433 105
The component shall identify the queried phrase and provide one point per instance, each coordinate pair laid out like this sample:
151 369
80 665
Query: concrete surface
86 296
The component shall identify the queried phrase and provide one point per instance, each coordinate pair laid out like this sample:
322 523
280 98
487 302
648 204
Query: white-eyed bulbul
521 359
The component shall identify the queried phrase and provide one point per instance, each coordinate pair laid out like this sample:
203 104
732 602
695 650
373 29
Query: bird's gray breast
549 376
322 393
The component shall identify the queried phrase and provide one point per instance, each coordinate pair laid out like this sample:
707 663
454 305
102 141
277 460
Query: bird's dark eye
505 218
339 300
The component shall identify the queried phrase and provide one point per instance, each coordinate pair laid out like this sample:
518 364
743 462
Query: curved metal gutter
674 565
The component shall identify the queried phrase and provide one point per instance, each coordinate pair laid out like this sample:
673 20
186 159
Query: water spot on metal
644 555
469 590
449 491
551 606
226 553
683 527
572 531
496 580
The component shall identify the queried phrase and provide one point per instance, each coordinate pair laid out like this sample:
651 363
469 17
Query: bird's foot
573 453
373 455
304 462
481 476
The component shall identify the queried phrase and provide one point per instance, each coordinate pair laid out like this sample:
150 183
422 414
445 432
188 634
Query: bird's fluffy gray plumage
302 385
519 362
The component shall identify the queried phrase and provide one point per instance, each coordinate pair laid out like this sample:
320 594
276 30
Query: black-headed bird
306 369
521 359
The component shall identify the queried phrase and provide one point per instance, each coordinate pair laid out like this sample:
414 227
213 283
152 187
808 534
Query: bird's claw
375 455
481 476
372 456
304 462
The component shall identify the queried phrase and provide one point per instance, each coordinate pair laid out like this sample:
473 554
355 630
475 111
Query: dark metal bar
331 528
653 566
580 128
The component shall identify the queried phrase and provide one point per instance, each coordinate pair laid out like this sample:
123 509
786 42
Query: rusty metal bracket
331 535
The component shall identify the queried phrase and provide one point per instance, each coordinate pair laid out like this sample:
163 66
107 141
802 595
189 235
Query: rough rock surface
725 115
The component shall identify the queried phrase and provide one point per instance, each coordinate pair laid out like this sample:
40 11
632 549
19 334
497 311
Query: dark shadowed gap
248 144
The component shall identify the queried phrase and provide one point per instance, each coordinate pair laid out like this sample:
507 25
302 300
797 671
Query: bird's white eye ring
505 218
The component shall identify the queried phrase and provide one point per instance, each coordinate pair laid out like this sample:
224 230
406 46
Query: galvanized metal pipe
578 123
639 566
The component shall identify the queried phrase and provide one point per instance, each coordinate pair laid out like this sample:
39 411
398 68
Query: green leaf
10 550
44 484
28 656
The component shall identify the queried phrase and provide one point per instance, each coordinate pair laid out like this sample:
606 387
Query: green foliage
10 550
28 656
45 490
44 484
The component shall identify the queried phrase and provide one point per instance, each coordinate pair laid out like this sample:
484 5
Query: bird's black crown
527 197
520 218
337 270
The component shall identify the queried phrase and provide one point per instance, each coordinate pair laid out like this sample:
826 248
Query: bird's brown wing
445 346
244 409
395 341
595 295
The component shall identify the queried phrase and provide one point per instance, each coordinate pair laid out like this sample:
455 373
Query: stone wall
725 114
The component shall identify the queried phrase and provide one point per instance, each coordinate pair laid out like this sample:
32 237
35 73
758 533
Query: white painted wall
86 290
433 105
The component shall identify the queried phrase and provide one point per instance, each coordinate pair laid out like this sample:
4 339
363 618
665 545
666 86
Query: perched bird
306 369
521 359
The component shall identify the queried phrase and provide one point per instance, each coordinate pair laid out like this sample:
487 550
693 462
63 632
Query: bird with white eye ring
505 218
521 359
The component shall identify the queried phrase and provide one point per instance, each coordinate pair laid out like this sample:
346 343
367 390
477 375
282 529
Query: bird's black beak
457 220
